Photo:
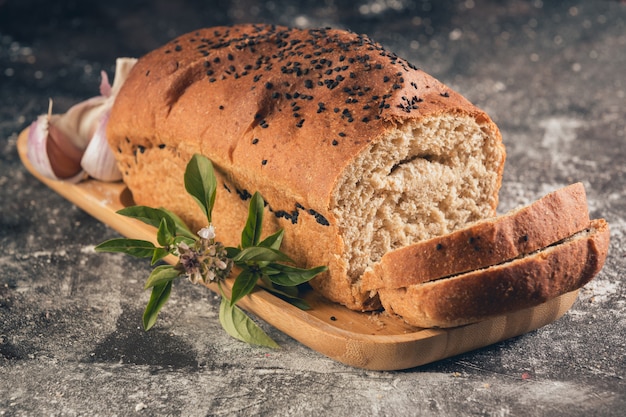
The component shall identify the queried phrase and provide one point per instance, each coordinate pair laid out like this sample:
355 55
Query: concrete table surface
552 76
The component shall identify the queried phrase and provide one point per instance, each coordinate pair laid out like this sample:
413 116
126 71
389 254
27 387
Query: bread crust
524 282
280 111
553 217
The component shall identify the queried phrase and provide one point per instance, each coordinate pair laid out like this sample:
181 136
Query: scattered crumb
374 318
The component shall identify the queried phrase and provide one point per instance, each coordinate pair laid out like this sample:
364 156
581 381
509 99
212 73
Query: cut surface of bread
521 283
355 151
487 242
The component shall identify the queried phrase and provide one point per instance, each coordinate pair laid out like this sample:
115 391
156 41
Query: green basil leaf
134 247
187 240
288 294
165 235
231 252
159 253
238 325
201 184
243 285
181 227
148 215
161 274
291 276
260 254
251 233
274 241
159 296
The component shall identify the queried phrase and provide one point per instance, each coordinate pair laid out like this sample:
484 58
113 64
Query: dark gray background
551 74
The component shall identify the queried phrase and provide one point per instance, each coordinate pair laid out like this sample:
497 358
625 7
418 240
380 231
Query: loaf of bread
487 242
524 282
356 152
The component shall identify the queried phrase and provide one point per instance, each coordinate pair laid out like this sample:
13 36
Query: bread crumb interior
424 179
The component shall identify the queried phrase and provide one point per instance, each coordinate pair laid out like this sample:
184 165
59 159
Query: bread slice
356 151
488 242
521 283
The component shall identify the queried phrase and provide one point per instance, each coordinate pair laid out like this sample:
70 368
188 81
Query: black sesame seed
221 107
230 57
446 94
308 83
439 246
264 162
255 141
335 142
162 146
343 135
178 48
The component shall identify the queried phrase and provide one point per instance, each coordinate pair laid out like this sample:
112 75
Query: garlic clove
61 146
79 123
52 155
98 160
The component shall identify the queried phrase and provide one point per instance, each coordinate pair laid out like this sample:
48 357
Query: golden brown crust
280 111
521 283
554 217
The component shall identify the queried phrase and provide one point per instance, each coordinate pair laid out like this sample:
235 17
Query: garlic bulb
73 145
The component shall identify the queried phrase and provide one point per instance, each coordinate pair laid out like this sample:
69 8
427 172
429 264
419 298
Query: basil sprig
203 259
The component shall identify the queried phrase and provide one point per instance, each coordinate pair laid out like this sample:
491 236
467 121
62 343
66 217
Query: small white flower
207 232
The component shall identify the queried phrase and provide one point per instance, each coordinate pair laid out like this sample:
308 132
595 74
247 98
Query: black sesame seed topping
255 141
335 142
264 162
439 246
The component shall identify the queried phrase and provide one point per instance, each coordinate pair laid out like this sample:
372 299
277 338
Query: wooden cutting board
375 341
